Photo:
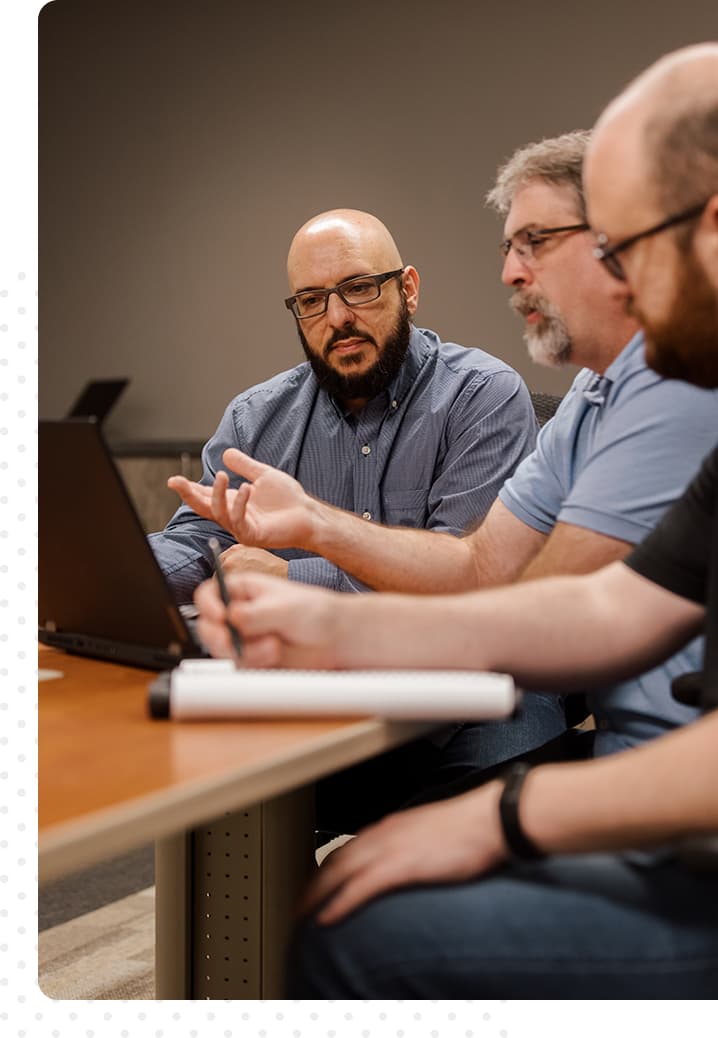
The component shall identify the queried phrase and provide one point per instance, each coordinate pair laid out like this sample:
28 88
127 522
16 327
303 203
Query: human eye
360 289
308 301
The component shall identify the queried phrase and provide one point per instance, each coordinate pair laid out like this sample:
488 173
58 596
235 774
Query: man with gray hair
618 452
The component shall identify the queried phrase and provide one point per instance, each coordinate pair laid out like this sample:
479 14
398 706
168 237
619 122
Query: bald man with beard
390 423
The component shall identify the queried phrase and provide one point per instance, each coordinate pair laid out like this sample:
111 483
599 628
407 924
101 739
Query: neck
601 353
355 406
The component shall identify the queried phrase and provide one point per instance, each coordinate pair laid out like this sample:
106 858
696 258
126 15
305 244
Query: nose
338 313
515 271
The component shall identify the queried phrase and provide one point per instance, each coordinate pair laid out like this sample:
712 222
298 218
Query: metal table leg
225 896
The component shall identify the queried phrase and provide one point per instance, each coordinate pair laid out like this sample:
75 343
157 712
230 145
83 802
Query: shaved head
342 231
671 111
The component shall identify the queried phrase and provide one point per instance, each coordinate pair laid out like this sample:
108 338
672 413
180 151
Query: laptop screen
99 581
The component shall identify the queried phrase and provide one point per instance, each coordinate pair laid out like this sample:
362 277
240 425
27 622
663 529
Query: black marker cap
158 700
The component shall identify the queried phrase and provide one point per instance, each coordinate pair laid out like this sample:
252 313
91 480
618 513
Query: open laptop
98 398
101 590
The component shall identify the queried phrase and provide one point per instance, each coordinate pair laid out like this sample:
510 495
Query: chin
547 357
354 365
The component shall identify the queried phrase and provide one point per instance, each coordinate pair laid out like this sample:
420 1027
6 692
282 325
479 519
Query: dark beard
372 382
685 345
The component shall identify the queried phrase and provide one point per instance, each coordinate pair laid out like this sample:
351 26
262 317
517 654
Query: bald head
341 236
666 124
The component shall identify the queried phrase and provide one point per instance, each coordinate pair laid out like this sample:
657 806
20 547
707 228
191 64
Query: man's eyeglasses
524 242
353 292
608 254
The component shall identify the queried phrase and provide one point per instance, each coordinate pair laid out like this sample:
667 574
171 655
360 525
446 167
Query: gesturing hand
270 510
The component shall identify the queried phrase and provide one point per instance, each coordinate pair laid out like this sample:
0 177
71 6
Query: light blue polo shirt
619 451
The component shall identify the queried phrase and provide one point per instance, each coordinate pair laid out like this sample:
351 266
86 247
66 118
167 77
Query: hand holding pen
224 594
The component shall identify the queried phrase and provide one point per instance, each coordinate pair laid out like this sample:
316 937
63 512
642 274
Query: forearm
556 633
391 558
654 793
319 572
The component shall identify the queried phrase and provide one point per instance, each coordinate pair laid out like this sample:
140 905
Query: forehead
332 254
620 195
540 204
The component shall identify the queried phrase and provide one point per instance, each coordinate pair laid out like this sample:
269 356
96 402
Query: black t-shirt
681 554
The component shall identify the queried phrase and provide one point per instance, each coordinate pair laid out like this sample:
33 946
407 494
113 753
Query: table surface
111 778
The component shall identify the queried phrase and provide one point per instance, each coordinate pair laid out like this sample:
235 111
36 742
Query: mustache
524 305
348 332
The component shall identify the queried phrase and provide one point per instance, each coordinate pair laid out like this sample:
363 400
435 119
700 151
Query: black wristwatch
520 845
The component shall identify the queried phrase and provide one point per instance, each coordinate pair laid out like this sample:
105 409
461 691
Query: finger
335 870
209 602
262 653
360 888
237 511
243 465
220 511
215 637
196 496
245 587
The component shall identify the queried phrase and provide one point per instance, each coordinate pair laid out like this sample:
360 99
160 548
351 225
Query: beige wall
183 142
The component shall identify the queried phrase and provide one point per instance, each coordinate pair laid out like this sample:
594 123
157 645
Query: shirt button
394 405
366 515
366 449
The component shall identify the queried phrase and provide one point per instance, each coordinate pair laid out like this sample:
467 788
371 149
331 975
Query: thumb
242 464
250 585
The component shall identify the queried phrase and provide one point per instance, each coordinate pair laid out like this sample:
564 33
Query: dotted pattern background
24 1009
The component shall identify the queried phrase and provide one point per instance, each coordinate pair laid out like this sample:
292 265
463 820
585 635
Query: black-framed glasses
353 292
525 241
608 254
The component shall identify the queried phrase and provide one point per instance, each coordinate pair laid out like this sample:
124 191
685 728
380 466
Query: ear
410 283
706 240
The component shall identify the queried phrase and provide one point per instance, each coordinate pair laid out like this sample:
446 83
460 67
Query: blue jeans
570 928
424 770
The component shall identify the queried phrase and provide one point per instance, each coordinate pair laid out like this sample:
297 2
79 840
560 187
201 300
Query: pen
219 572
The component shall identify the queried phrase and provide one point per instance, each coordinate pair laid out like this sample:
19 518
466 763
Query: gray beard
549 343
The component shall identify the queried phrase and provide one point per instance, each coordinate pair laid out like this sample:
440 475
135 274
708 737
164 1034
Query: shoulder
275 390
640 395
462 360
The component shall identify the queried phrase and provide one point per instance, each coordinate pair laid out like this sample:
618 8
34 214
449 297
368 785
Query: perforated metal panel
225 900
227 906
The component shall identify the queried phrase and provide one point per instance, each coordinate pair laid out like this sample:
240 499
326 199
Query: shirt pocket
406 507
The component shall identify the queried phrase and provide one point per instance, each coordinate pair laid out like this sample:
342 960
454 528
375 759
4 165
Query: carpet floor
107 953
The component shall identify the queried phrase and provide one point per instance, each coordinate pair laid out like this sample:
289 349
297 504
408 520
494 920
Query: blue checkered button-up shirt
430 452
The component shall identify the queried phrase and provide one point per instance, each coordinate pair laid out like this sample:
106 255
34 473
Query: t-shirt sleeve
536 490
619 480
676 554
659 433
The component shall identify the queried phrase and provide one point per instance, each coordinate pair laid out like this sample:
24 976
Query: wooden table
229 804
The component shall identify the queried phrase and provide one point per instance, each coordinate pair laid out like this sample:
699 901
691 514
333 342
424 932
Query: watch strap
520 845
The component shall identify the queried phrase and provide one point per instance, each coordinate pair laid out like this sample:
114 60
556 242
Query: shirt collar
598 386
